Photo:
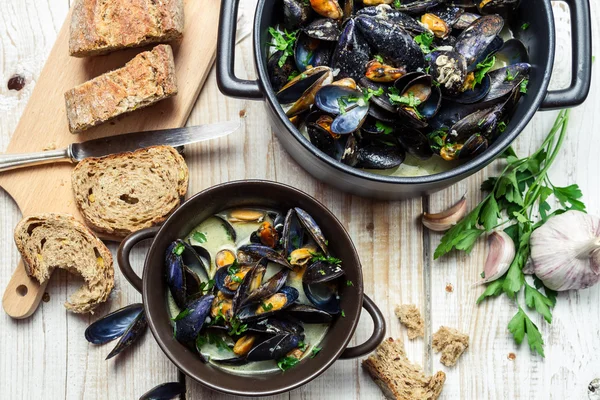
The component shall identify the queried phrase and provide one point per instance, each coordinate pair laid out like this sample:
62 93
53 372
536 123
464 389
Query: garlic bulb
566 251
444 220
501 252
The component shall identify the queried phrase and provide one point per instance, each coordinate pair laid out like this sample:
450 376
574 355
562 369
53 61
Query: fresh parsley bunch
517 200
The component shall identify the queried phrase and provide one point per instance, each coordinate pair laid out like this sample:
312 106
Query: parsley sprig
284 41
521 193
425 40
482 68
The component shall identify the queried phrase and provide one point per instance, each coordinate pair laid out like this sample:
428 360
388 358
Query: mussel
190 321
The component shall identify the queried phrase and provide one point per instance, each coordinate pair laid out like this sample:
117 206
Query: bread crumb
410 316
49 146
449 288
398 378
451 343
512 356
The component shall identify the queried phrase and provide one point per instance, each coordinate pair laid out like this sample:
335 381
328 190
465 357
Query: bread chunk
410 316
451 343
123 193
48 241
148 78
102 26
398 378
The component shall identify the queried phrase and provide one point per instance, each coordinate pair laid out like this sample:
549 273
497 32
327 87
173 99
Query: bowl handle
377 336
123 254
228 83
581 75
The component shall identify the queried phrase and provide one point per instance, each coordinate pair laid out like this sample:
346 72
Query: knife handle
13 161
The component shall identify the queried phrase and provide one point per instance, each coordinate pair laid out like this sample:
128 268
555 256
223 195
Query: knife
118 144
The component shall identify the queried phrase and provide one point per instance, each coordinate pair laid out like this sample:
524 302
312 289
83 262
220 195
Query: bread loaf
49 241
123 193
398 378
102 26
148 78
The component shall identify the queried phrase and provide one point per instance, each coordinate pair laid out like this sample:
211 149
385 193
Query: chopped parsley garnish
383 127
342 104
509 76
218 341
408 100
178 249
237 328
266 307
482 68
523 87
425 40
233 268
343 314
182 314
293 75
397 3
378 58
322 272
502 127
284 41
525 26
205 287
199 237
314 351
287 362
235 278
302 346
328 260
349 283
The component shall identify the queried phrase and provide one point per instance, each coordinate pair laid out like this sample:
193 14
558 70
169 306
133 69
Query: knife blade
138 140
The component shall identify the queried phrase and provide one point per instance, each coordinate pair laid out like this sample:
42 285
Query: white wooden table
47 357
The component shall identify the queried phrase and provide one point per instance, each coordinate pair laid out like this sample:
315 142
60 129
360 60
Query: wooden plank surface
46 356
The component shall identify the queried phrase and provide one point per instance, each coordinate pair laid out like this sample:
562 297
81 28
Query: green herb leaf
343 314
493 289
385 128
569 197
490 214
216 339
329 260
461 236
293 75
182 315
237 328
302 346
482 68
525 26
314 351
523 86
509 76
199 237
378 58
520 325
287 362
266 307
425 40
206 287
542 304
178 249
349 283
397 4
284 41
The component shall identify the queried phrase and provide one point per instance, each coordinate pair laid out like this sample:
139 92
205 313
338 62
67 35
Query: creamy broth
218 238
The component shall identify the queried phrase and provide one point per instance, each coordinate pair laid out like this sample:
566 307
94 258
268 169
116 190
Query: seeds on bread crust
123 193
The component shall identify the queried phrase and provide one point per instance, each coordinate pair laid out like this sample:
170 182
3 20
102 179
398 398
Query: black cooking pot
539 40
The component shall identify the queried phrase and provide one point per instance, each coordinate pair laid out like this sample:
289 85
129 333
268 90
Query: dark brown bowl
240 194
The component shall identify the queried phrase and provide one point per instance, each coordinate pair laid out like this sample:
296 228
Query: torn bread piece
49 241
122 193
398 378
410 316
451 343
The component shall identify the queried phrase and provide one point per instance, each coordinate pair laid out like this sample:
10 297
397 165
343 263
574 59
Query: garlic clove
501 252
444 220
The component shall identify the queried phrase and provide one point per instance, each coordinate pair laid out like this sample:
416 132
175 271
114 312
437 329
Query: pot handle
377 336
581 43
123 254
228 83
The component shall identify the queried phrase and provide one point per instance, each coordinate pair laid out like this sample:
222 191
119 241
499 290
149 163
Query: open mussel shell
277 325
293 233
267 289
321 271
383 101
325 29
323 140
391 41
328 98
309 314
270 305
414 142
182 281
382 114
301 90
501 86
380 156
310 52
474 146
261 251
134 331
375 127
274 347
224 284
188 327
474 42
279 75
311 226
252 281
165 391
324 296
497 6
351 53
295 13
351 120
475 94
113 325
512 52
449 69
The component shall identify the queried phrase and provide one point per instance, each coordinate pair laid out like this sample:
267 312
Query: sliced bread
123 193
398 378
410 316
148 78
451 343
102 26
49 241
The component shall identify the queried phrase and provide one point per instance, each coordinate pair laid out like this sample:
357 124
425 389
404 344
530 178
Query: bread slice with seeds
398 378
123 193
49 241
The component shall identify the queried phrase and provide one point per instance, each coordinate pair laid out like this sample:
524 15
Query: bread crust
101 26
148 78
123 193
48 241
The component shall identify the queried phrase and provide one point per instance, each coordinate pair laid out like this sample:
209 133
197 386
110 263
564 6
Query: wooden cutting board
43 125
